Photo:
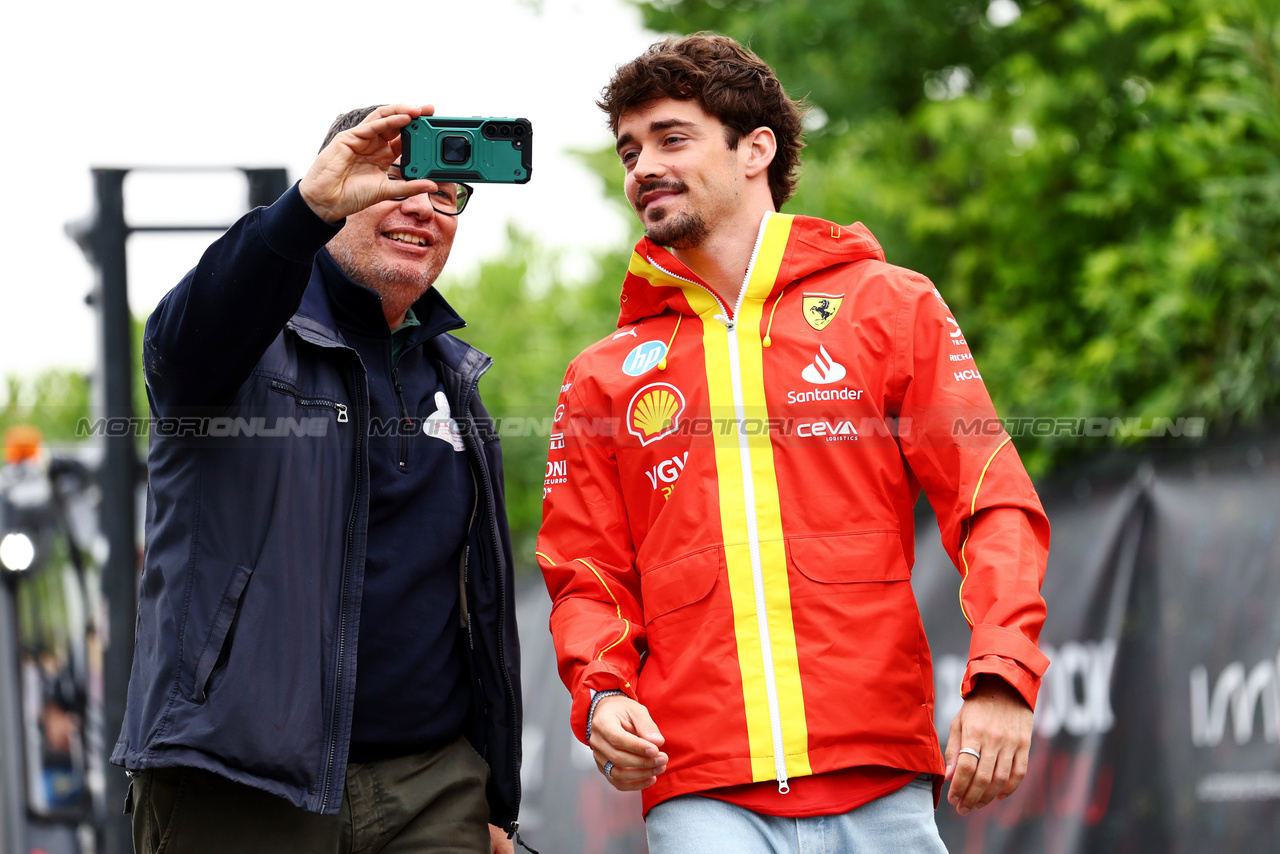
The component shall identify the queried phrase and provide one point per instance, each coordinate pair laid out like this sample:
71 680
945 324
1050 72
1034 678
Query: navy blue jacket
257 515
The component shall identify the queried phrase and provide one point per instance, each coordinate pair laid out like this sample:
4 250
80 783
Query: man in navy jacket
326 648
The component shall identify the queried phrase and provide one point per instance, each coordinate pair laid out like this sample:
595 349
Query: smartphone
488 150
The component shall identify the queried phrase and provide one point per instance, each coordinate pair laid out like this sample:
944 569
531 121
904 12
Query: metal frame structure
103 236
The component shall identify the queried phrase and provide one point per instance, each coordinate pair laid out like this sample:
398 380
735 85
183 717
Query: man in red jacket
728 532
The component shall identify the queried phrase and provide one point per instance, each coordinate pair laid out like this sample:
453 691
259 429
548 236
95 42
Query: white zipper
753 532
723 317
749 499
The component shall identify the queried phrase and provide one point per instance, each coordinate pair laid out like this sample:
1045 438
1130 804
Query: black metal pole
103 239
12 782
104 242
266 185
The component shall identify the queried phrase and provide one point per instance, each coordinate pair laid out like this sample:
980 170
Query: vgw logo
1240 692
667 472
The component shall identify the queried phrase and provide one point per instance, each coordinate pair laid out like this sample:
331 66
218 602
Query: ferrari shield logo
819 309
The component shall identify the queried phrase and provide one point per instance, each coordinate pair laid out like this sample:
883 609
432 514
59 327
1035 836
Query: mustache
660 184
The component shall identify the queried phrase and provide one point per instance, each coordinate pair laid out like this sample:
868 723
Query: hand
996 722
498 839
350 174
623 733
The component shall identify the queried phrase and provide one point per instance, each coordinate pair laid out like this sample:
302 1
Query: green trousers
429 802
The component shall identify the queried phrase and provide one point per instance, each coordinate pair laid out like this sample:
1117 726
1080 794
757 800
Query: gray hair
347 121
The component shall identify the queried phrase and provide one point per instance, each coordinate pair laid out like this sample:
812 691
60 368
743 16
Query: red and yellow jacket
728 533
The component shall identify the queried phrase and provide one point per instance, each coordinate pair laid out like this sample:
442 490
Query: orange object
21 442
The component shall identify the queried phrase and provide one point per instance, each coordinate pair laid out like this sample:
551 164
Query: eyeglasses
450 197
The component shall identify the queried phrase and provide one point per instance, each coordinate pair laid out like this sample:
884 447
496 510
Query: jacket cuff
293 230
1021 680
989 639
597 676
1006 653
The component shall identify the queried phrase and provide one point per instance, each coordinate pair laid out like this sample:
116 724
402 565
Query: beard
397 284
675 231
678 231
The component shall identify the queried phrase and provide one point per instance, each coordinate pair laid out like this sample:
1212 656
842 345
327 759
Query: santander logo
824 369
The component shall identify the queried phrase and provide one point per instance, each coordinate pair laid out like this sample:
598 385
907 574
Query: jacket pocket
679 583
310 400
845 558
217 646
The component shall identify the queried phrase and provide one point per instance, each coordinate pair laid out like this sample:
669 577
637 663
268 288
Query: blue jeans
898 823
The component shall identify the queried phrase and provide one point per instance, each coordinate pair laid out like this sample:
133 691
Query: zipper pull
342 412
729 324
783 786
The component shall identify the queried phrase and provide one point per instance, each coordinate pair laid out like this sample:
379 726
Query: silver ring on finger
969 750
608 770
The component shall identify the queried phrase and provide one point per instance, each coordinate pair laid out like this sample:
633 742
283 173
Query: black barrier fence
1158 723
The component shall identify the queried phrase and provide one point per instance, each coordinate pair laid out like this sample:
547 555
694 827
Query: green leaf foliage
1094 186
53 401
520 311
57 401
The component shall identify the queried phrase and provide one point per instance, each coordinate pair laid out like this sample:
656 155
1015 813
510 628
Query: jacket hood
656 280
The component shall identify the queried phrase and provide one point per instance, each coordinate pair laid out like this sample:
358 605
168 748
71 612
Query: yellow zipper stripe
973 505
729 477
768 509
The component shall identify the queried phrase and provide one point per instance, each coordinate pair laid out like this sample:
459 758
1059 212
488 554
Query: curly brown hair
729 82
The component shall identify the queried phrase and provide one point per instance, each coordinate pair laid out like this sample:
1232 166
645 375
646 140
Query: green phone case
486 150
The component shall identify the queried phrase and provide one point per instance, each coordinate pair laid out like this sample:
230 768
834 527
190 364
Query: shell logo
655 412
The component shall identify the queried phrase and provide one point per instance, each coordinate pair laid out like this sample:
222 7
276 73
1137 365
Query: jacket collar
656 280
333 304
316 319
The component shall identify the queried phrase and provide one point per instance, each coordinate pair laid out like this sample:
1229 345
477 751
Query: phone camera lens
506 130
490 130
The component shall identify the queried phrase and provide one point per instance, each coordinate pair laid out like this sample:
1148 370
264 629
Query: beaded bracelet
591 713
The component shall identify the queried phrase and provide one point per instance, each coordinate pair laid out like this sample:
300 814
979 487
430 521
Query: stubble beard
677 231
398 288
684 230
